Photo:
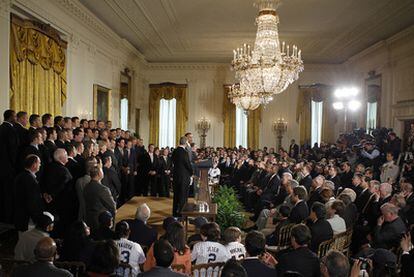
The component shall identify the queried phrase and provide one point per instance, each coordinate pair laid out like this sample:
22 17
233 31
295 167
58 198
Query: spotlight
346 92
338 105
354 105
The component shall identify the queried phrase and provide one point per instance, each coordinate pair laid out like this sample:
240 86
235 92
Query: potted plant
229 208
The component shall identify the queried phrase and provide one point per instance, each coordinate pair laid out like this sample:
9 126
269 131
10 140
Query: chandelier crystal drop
269 67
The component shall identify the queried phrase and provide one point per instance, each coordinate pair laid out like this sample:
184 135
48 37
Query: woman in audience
175 235
77 245
335 210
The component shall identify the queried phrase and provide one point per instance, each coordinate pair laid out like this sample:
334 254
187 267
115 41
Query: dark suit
321 231
160 272
299 212
57 182
389 234
152 166
9 146
75 169
337 182
301 260
164 182
50 147
141 233
407 264
23 135
141 182
30 205
40 269
128 190
255 267
112 182
315 196
306 182
294 151
346 179
98 198
182 172
31 150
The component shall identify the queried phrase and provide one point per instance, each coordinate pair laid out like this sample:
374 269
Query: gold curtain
167 91
37 68
229 119
253 127
317 93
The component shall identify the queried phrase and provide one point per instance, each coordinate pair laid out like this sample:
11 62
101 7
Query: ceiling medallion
268 68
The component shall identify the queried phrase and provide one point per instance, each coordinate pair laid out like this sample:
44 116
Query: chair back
78 269
325 246
207 270
124 270
180 268
284 236
7 265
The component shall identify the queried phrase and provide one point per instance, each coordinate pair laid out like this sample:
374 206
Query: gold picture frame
102 98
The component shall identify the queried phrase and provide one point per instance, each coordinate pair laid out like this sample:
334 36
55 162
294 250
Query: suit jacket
389 234
30 204
75 169
31 150
271 190
160 272
299 212
23 135
119 155
112 182
51 147
362 200
56 181
141 233
337 182
130 158
182 169
40 269
9 146
294 151
255 267
306 182
315 196
301 260
346 179
407 264
321 231
98 198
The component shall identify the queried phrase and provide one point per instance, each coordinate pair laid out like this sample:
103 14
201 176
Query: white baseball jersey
131 253
205 252
236 250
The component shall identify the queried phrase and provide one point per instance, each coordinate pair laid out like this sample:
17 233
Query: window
167 123
316 122
241 127
124 113
371 116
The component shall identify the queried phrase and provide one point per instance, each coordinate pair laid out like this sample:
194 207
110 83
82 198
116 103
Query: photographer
371 156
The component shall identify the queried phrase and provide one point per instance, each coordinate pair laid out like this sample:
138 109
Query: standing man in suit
130 158
9 146
58 190
35 122
33 148
306 181
20 125
293 150
47 120
152 169
165 166
182 173
27 190
98 199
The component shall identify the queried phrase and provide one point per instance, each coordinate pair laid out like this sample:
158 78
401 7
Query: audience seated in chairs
130 252
232 239
175 235
26 244
301 258
320 228
141 233
104 230
255 247
164 256
45 252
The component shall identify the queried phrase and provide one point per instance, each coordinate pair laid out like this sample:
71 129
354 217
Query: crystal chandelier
267 69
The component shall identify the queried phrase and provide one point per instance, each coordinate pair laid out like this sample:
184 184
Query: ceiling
327 31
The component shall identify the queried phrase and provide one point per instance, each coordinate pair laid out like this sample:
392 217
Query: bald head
45 249
61 156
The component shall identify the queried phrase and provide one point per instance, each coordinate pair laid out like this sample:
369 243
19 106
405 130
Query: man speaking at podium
182 172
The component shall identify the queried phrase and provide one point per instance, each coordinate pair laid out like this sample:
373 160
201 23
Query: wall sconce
203 125
280 128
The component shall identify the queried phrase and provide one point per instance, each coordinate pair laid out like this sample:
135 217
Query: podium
192 209
203 190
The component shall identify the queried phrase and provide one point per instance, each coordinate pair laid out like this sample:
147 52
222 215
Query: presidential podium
203 205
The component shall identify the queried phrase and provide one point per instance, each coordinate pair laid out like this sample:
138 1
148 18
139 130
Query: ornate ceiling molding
187 66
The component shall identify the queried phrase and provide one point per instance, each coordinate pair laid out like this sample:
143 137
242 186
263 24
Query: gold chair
78 269
325 246
207 270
